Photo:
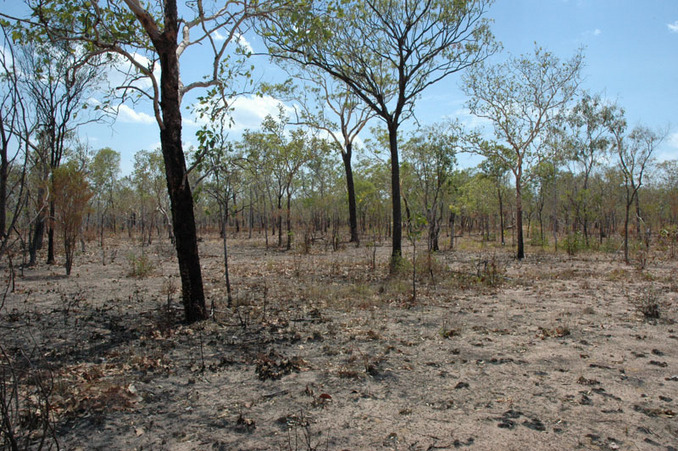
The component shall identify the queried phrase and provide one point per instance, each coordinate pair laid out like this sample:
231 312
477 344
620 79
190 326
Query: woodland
329 280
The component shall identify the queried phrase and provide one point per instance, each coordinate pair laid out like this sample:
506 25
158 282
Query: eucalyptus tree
149 36
16 128
330 106
71 195
282 155
57 83
149 184
431 155
387 52
220 180
635 155
668 183
496 170
587 140
103 175
521 97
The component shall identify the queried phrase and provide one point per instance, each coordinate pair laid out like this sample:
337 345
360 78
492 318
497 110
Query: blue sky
631 57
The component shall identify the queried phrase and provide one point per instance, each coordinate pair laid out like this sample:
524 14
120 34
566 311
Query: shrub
648 304
140 266
573 243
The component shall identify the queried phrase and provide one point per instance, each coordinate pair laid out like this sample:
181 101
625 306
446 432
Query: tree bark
626 231
519 219
288 219
4 173
350 187
50 235
397 236
501 214
181 198
38 230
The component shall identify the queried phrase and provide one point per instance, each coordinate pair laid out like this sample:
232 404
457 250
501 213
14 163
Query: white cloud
673 27
589 33
121 72
218 36
128 115
244 43
470 121
247 112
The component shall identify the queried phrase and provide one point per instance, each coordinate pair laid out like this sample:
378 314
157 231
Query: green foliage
140 266
573 243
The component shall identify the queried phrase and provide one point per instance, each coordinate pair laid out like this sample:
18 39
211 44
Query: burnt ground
325 350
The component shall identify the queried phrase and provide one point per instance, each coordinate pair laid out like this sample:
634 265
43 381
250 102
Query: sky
631 57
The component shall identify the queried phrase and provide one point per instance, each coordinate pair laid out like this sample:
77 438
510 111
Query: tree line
561 167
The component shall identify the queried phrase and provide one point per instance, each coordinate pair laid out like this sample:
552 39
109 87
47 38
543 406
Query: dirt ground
325 351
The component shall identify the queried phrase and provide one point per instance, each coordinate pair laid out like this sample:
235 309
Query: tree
104 170
58 83
387 53
220 181
634 159
16 127
521 97
271 150
149 36
71 196
586 139
346 108
431 155
496 169
148 182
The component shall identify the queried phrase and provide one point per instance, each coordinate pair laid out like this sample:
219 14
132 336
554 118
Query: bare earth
325 351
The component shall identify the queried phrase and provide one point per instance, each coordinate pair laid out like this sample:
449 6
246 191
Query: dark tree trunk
519 220
38 231
279 221
626 230
288 219
4 172
181 199
397 233
50 235
350 187
501 215
224 239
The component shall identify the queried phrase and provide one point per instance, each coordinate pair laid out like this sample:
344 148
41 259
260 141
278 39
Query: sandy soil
326 351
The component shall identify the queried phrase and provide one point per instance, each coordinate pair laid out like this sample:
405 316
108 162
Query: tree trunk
452 218
50 235
224 238
501 214
350 188
181 199
639 232
626 231
38 231
519 219
279 220
4 172
397 234
288 219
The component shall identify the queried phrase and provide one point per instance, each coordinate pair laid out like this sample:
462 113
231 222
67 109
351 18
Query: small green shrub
140 266
573 243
